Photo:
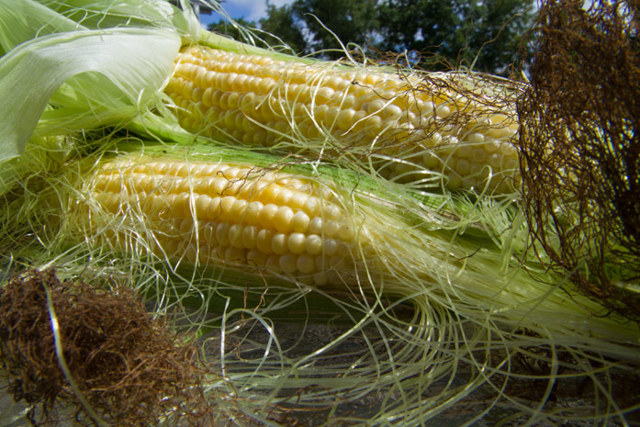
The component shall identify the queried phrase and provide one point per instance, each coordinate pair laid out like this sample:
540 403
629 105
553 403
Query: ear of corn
309 229
228 214
404 124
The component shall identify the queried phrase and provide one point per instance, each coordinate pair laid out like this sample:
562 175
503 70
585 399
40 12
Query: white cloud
251 10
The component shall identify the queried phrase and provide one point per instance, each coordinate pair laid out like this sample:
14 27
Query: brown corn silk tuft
405 123
130 368
581 148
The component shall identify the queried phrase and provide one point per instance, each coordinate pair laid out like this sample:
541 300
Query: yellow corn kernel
263 101
226 214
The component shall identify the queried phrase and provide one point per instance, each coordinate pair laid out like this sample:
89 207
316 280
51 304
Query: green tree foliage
508 22
486 35
232 29
427 26
483 34
350 21
282 23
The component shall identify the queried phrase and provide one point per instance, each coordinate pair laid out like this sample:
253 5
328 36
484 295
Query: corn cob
416 122
227 214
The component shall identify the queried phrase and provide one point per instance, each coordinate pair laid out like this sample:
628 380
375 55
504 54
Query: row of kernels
249 104
443 109
145 182
473 164
294 92
220 180
219 85
500 128
321 95
294 264
242 125
222 121
288 263
281 217
265 240
133 184
178 171
228 242
226 62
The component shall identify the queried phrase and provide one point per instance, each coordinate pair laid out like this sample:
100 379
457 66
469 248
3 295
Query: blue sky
251 10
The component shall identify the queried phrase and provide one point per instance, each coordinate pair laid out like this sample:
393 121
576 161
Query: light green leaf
22 20
100 14
100 76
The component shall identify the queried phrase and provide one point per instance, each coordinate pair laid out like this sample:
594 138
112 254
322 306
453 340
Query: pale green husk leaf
98 14
23 20
97 77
